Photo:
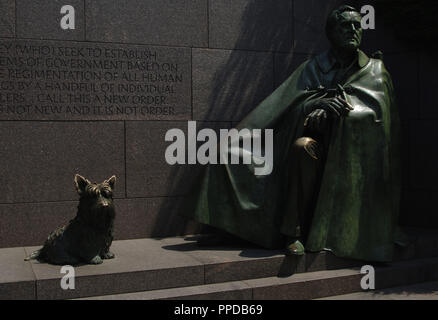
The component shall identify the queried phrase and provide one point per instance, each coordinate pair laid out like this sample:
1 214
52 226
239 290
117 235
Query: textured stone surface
383 37
408 272
403 68
309 24
415 201
164 22
423 156
41 20
237 290
333 286
327 261
306 285
38 160
7 19
422 291
428 82
427 244
152 264
285 64
17 280
406 149
30 223
228 84
48 80
139 265
148 173
243 261
151 218
248 24
224 264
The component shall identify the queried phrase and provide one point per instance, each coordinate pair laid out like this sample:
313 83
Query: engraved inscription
80 80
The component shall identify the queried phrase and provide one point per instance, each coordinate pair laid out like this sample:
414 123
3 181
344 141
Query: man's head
344 29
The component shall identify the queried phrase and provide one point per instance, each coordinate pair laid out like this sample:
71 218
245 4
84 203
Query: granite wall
97 100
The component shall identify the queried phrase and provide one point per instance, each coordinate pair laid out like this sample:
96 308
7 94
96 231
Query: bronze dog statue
87 238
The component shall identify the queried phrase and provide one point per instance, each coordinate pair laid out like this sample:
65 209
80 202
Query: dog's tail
33 255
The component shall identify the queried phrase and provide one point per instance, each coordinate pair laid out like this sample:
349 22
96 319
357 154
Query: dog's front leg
107 255
96 260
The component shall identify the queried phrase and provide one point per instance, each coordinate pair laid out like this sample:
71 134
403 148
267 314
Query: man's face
347 35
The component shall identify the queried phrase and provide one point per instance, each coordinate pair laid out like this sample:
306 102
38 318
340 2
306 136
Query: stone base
172 268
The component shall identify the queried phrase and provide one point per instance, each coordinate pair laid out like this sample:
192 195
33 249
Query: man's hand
335 106
316 120
320 110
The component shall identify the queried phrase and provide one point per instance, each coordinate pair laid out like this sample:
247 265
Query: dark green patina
358 201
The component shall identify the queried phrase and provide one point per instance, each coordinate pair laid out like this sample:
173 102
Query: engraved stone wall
97 100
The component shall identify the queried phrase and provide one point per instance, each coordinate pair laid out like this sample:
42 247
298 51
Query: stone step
153 264
334 284
235 290
421 291
156 264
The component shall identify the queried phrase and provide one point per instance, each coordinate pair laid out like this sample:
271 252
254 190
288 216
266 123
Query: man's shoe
295 248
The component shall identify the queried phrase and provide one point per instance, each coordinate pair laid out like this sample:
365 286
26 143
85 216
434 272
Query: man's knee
306 145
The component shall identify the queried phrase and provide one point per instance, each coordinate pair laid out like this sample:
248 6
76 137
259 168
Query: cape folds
358 201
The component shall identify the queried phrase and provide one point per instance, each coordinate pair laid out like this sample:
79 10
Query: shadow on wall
417 18
228 84
413 23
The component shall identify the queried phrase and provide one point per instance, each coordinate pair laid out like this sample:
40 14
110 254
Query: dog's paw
96 260
108 255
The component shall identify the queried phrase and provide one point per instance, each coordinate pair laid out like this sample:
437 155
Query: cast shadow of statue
283 266
227 85
246 249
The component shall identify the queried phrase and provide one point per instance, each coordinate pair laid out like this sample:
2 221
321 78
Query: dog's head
96 199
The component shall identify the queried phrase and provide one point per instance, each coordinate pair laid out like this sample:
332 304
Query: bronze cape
358 202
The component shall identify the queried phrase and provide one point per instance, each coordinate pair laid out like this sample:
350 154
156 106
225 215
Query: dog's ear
81 183
111 181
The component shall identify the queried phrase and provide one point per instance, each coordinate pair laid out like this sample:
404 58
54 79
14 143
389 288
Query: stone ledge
154 264
236 290
298 286
17 280
157 264
422 291
301 286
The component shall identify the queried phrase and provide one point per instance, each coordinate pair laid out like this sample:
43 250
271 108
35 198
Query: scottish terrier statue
87 238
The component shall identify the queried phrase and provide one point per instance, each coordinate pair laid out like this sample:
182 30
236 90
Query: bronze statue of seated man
335 183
